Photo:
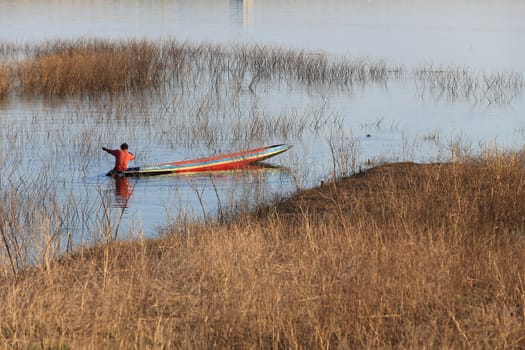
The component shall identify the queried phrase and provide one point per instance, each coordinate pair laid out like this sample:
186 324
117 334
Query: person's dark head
124 146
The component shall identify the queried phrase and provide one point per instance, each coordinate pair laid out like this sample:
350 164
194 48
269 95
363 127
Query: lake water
400 119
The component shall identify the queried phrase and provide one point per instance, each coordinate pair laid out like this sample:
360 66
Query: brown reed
5 80
400 256
91 68
82 67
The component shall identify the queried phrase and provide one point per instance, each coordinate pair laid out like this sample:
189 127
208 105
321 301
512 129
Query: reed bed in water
83 67
402 255
5 80
460 82
37 223
96 66
91 67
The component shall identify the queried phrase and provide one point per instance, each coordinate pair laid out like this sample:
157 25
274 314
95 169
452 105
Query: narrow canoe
230 161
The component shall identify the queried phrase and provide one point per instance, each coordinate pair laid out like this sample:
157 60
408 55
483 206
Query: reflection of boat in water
230 161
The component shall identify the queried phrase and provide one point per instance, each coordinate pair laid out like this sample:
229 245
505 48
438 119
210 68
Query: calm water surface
397 120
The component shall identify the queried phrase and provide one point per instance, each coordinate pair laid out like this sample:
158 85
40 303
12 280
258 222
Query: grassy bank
402 255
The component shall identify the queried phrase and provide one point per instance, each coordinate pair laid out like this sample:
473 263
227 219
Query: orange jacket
121 158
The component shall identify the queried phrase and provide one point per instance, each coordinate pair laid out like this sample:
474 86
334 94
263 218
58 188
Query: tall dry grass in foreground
403 255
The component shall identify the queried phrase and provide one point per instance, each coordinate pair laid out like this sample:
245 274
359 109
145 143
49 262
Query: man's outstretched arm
110 151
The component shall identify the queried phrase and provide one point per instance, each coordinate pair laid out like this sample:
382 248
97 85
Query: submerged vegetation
402 255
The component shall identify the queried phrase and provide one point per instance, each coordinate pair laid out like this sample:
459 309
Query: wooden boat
230 161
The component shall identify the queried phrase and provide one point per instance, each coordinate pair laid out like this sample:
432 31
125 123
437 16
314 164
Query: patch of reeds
40 220
457 82
344 150
400 256
91 68
5 80
84 67
30 227
276 63
96 66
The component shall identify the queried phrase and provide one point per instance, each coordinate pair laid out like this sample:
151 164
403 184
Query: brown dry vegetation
5 80
402 255
91 67
87 67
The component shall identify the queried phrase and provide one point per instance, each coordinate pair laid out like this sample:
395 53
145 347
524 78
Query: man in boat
122 158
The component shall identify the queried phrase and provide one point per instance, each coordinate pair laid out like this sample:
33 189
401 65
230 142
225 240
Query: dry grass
5 80
403 255
92 67
87 67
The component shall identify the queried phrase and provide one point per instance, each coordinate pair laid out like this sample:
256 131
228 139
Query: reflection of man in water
123 191
122 158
